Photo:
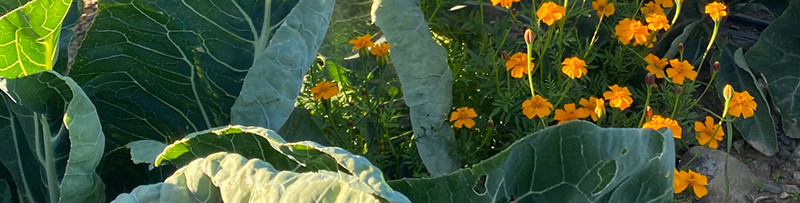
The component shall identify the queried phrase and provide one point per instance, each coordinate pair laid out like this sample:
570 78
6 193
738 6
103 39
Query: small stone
785 140
791 189
796 176
784 195
738 145
772 188
711 163
784 154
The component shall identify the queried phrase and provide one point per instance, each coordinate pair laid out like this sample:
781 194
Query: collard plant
149 73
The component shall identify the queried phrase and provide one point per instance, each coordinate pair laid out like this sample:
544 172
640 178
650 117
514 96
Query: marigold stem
646 103
677 11
529 47
711 42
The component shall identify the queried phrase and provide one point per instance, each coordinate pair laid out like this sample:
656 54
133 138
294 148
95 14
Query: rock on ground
711 163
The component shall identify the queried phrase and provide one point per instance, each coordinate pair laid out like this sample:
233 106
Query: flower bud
600 108
505 55
727 92
514 11
363 92
648 113
490 124
529 36
650 79
680 47
349 123
678 90
716 66
489 35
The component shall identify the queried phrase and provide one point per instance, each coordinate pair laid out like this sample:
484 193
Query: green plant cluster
278 101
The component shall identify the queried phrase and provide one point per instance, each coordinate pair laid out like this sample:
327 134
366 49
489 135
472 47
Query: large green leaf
51 140
571 162
775 56
264 144
29 35
224 177
427 82
273 83
159 70
759 130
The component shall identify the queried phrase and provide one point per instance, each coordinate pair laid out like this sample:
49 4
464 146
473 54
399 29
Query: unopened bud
514 11
490 124
505 55
678 90
529 36
600 108
350 124
489 35
650 79
716 66
364 92
680 47
648 113
727 92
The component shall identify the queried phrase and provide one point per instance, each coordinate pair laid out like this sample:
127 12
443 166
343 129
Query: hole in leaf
605 173
480 186
623 152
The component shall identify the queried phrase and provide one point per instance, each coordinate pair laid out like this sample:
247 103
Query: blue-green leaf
571 162
427 82
776 55
224 177
273 83
51 140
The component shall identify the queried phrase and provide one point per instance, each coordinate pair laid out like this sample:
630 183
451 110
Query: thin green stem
646 103
713 75
564 93
675 107
530 70
677 11
50 163
710 43
594 36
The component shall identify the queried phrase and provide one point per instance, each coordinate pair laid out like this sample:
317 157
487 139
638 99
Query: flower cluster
365 41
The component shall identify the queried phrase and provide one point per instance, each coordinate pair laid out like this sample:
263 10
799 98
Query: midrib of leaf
24 179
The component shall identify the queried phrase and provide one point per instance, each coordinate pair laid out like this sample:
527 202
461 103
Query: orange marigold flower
652 7
706 132
324 90
551 12
603 8
716 10
658 122
628 29
593 105
742 104
536 106
698 182
573 67
463 117
380 49
361 42
657 22
570 113
504 3
681 70
619 97
664 3
655 65
516 64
